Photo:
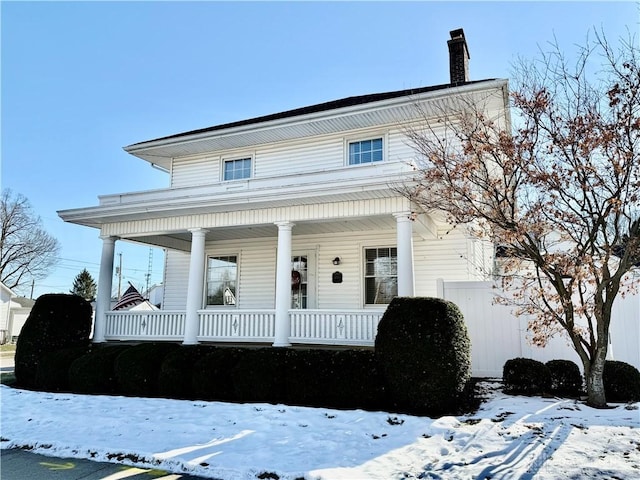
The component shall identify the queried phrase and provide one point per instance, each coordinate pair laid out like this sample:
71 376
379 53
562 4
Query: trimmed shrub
566 379
354 380
525 376
212 379
137 368
53 370
424 351
56 322
260 375
621 382
174 379
336 379
308 377
94 372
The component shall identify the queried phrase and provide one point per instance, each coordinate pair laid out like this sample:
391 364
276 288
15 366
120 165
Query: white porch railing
237 325
145 325
328 327
355 327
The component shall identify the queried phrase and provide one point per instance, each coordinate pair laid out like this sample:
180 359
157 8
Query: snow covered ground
509 437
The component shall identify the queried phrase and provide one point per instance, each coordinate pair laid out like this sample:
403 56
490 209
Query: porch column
404 233
195 286
283 285
105 278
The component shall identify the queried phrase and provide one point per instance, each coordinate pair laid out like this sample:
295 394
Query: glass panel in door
299 281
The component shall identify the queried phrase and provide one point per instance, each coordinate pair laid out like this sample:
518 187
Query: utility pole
119 273
33 284
149 268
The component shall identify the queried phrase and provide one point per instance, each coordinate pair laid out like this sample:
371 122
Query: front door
299 281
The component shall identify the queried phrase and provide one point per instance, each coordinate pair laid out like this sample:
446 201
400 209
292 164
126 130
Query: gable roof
245 132
24 301
6 289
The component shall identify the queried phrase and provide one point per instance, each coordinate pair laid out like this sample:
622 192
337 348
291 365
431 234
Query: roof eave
152 150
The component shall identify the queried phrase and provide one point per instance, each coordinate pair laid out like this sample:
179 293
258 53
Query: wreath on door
295 278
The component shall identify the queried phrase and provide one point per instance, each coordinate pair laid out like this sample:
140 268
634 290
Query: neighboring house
6 294
14 311
287 228
155 295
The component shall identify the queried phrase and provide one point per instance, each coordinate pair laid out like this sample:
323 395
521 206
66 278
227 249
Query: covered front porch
311 327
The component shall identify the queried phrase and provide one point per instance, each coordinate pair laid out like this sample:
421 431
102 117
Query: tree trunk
594 379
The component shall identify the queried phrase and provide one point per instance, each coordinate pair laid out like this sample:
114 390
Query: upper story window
365 151
237 169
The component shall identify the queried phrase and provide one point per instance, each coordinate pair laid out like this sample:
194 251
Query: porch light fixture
336 261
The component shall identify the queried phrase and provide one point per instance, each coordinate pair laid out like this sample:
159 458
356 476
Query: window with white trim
380 275
365 151
237 169
222 275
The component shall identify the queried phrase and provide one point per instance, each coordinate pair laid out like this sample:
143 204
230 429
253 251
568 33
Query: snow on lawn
509 437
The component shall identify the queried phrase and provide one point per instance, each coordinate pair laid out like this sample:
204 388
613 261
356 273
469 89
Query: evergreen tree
84 286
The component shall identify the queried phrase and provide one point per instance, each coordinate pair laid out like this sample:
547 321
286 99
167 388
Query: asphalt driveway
18 464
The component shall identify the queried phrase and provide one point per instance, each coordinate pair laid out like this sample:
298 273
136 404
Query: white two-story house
289 228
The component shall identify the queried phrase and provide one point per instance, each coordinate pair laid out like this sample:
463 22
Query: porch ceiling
182 240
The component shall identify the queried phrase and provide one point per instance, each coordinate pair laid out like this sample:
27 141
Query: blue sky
81 80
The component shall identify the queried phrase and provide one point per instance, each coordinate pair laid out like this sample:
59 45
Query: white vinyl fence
497 335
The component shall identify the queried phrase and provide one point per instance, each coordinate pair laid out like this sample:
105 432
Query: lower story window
381 275
222 274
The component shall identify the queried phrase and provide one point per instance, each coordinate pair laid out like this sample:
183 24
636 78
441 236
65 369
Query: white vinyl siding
5 304
176 273
314 154
443 257
256 286
195 171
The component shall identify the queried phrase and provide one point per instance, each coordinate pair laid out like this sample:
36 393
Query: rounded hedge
525 376
260 375
94 372
621 382
53 370
566 379
211 377
174 378
424 351
137 368
56 322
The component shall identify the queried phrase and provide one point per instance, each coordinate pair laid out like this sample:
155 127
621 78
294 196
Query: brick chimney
458 57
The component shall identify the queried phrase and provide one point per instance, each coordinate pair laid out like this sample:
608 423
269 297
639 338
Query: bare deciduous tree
27 251
559 190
